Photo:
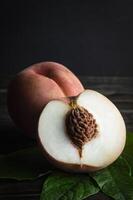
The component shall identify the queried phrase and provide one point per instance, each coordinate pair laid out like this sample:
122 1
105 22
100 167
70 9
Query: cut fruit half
86 135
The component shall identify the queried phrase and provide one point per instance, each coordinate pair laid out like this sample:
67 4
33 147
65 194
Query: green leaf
128 151
129 144
68 187
129 159
115 180
24 164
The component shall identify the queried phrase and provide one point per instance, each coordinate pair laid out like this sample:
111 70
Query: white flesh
52 133
98 152
110 142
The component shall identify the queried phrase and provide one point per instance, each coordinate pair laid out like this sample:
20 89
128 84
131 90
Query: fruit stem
73 103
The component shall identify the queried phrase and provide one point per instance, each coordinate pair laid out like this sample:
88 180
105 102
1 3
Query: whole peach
34 87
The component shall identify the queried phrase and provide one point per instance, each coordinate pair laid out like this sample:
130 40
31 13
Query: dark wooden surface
119 90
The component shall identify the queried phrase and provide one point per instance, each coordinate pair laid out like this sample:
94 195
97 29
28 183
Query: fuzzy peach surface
34 87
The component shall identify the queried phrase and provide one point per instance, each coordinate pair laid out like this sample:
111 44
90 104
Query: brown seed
81 126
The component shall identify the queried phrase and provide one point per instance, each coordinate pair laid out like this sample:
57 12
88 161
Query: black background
89 37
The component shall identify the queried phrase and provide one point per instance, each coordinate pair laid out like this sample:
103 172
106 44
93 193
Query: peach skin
34 87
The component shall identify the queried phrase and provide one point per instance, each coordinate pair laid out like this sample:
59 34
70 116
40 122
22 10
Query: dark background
89 37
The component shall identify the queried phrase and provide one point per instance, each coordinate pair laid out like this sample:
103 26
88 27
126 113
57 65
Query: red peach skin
34 87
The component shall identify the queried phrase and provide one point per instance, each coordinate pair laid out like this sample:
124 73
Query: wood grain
117 89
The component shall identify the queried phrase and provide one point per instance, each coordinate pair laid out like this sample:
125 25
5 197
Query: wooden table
119 90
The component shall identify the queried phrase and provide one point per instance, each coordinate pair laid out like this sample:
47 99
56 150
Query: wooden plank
102 83
30 190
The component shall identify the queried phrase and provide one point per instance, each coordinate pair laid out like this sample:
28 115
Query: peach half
84 135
